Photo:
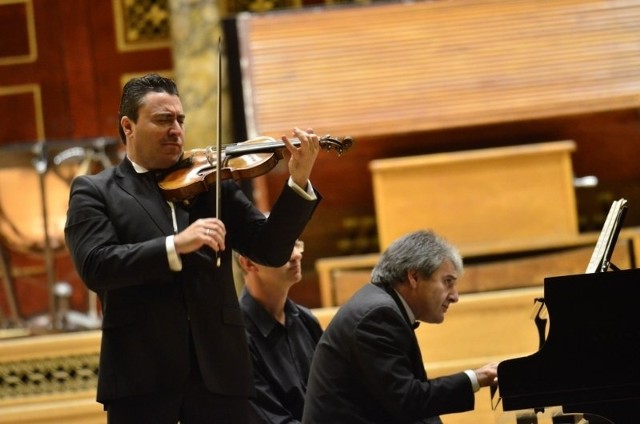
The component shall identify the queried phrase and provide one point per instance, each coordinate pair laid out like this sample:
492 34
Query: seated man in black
368 368
282 337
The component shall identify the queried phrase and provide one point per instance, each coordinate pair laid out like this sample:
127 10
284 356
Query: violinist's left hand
302 157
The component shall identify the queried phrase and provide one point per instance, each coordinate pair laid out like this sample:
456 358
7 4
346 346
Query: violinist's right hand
205 231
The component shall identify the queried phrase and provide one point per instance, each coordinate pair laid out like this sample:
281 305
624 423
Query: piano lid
590 360
591 357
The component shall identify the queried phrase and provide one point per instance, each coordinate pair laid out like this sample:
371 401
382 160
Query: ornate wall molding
48 375
50 378
142 24
34 92
23 47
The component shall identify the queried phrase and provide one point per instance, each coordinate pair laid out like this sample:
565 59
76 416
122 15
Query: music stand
601 258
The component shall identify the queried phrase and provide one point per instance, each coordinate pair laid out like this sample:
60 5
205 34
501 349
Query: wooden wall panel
70 50
16 32
22 106
398 67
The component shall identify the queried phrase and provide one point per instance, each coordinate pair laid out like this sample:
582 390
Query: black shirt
281 356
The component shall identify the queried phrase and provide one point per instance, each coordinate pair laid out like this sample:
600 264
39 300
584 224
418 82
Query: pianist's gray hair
421 251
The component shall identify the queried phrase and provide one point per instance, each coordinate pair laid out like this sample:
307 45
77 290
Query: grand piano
589 362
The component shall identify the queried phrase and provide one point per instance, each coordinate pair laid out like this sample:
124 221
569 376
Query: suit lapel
415 354
148 197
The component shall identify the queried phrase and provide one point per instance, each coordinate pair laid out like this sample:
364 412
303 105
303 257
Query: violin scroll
329 143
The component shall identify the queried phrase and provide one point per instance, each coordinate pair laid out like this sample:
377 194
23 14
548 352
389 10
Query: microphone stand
41 165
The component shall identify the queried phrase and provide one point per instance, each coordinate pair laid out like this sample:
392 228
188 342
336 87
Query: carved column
196 29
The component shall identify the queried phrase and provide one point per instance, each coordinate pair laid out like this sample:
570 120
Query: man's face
156 141
286 275
431 297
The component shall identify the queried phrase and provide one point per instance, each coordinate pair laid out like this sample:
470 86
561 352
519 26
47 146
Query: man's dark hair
133 94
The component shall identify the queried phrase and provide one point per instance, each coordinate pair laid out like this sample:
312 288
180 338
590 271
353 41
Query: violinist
173 342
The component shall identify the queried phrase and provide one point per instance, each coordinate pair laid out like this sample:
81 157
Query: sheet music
608 236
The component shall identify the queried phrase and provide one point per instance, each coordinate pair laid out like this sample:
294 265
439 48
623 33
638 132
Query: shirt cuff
309 194
474 380
175 263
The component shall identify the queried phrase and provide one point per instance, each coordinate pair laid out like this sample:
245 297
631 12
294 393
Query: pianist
368 368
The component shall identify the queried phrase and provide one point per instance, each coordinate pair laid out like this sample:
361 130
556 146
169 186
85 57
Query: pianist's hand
487 375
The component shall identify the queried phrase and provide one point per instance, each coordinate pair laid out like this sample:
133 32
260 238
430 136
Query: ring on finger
207 232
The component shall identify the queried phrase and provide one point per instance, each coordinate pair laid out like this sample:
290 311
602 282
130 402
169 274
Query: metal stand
12 319
40 163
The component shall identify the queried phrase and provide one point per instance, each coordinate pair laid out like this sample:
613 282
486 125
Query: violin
197 170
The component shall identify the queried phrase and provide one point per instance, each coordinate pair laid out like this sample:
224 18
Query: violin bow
219 138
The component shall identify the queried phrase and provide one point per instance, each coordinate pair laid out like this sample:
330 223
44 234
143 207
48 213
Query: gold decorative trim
34 89
47 366
44 376
31 31
141 24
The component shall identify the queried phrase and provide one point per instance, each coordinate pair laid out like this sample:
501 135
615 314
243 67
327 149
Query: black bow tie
415 325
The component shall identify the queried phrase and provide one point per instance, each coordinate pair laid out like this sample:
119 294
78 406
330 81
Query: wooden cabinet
485 197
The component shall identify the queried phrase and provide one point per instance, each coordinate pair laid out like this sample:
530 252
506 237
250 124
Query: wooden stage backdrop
416 78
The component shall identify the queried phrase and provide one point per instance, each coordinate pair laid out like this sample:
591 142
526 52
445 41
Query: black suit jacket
116 230
367 368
